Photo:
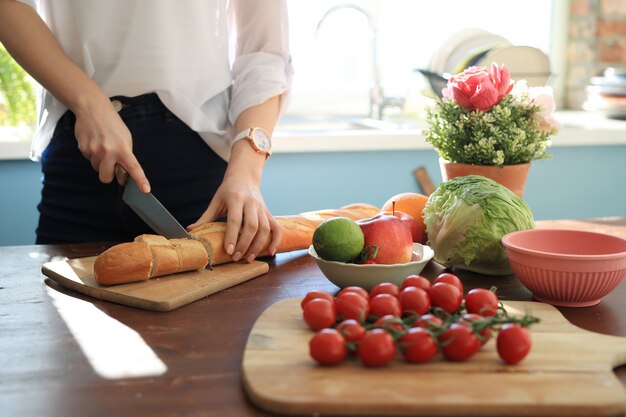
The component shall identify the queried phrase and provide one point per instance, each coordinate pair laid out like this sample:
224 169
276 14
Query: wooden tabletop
52 351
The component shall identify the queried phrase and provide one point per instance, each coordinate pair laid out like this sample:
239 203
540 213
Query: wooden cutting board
567 373
158 294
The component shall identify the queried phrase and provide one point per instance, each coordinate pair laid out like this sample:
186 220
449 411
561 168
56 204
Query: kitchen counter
191 357
578 128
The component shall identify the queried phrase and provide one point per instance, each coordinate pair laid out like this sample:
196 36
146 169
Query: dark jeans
182 169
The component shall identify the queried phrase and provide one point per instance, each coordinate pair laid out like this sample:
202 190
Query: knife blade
152 212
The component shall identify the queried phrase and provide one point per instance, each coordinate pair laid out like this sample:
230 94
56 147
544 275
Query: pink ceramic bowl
567 268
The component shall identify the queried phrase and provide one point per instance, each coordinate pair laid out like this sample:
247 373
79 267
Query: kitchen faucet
378 101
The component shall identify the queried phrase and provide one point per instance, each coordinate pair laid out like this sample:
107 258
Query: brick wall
596 40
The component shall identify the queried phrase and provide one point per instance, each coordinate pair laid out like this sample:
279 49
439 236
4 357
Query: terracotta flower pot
511 176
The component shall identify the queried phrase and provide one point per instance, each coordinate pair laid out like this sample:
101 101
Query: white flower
544 98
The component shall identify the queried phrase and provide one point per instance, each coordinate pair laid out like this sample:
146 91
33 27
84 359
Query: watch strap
243 134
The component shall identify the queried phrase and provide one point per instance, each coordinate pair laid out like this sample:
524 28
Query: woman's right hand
106 142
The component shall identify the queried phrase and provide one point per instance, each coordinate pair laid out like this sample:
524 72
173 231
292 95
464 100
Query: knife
152 212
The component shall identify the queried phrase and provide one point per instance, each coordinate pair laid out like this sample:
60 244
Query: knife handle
121 174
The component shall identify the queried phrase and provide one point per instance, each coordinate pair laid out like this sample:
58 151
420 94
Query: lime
338 239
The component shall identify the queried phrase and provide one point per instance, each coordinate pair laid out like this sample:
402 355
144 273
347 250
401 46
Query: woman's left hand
249 224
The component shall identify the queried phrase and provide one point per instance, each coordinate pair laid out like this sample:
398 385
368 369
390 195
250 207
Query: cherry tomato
351 305
481 301
390 323
328 347
384 304
450 279
319 314
414 301
418 345
362 291
429 321
416 281
385 288
351 330
445 296
513 343
485 334
377 348
458 343
317 294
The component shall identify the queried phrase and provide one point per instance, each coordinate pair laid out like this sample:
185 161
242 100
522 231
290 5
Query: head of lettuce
466 218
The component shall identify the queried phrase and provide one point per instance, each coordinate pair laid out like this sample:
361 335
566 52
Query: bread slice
153 239
191 254
126 262
211 236
164 260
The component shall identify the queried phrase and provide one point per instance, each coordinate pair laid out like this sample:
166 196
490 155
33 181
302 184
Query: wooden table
45 372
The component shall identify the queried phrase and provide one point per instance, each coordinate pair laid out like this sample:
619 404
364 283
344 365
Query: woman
147 87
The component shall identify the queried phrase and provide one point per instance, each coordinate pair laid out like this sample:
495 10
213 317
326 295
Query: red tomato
351 330
328 347
481 301
450 279
485 334
351 305
513 343
319 314
377 348
418 345
390 323
458 343
416 281
357 290
414 301
428 321
445 296
384 304
385 288
317 294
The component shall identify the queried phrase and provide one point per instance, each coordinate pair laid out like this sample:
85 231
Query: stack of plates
607 93
477 47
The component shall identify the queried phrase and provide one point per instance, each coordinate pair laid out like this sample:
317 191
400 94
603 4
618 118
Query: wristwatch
258 139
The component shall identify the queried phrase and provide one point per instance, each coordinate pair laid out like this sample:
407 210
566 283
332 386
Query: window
338 55
17 100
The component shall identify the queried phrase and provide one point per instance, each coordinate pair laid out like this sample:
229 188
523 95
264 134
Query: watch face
262 140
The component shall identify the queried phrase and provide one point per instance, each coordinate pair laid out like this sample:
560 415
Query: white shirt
205 65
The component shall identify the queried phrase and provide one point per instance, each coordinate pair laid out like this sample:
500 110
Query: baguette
147 257
151 256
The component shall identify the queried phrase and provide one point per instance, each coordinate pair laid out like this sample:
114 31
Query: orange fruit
411 204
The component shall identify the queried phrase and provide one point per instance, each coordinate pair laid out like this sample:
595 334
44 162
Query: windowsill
578 128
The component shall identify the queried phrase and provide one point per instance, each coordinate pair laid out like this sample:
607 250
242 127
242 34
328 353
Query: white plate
367 276
460 56
524 63
438 59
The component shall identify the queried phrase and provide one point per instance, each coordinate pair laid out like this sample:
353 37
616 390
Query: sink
304 125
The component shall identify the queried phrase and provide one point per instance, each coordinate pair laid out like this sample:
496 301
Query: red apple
391 236
410 222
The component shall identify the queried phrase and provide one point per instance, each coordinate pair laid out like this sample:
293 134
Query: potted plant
487 124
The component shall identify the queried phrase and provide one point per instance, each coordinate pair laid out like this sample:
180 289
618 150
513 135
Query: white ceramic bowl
367 276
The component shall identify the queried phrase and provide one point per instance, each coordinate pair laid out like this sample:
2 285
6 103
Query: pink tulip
473 89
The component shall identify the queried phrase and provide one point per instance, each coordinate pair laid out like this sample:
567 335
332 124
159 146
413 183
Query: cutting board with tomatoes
569 371
157 294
